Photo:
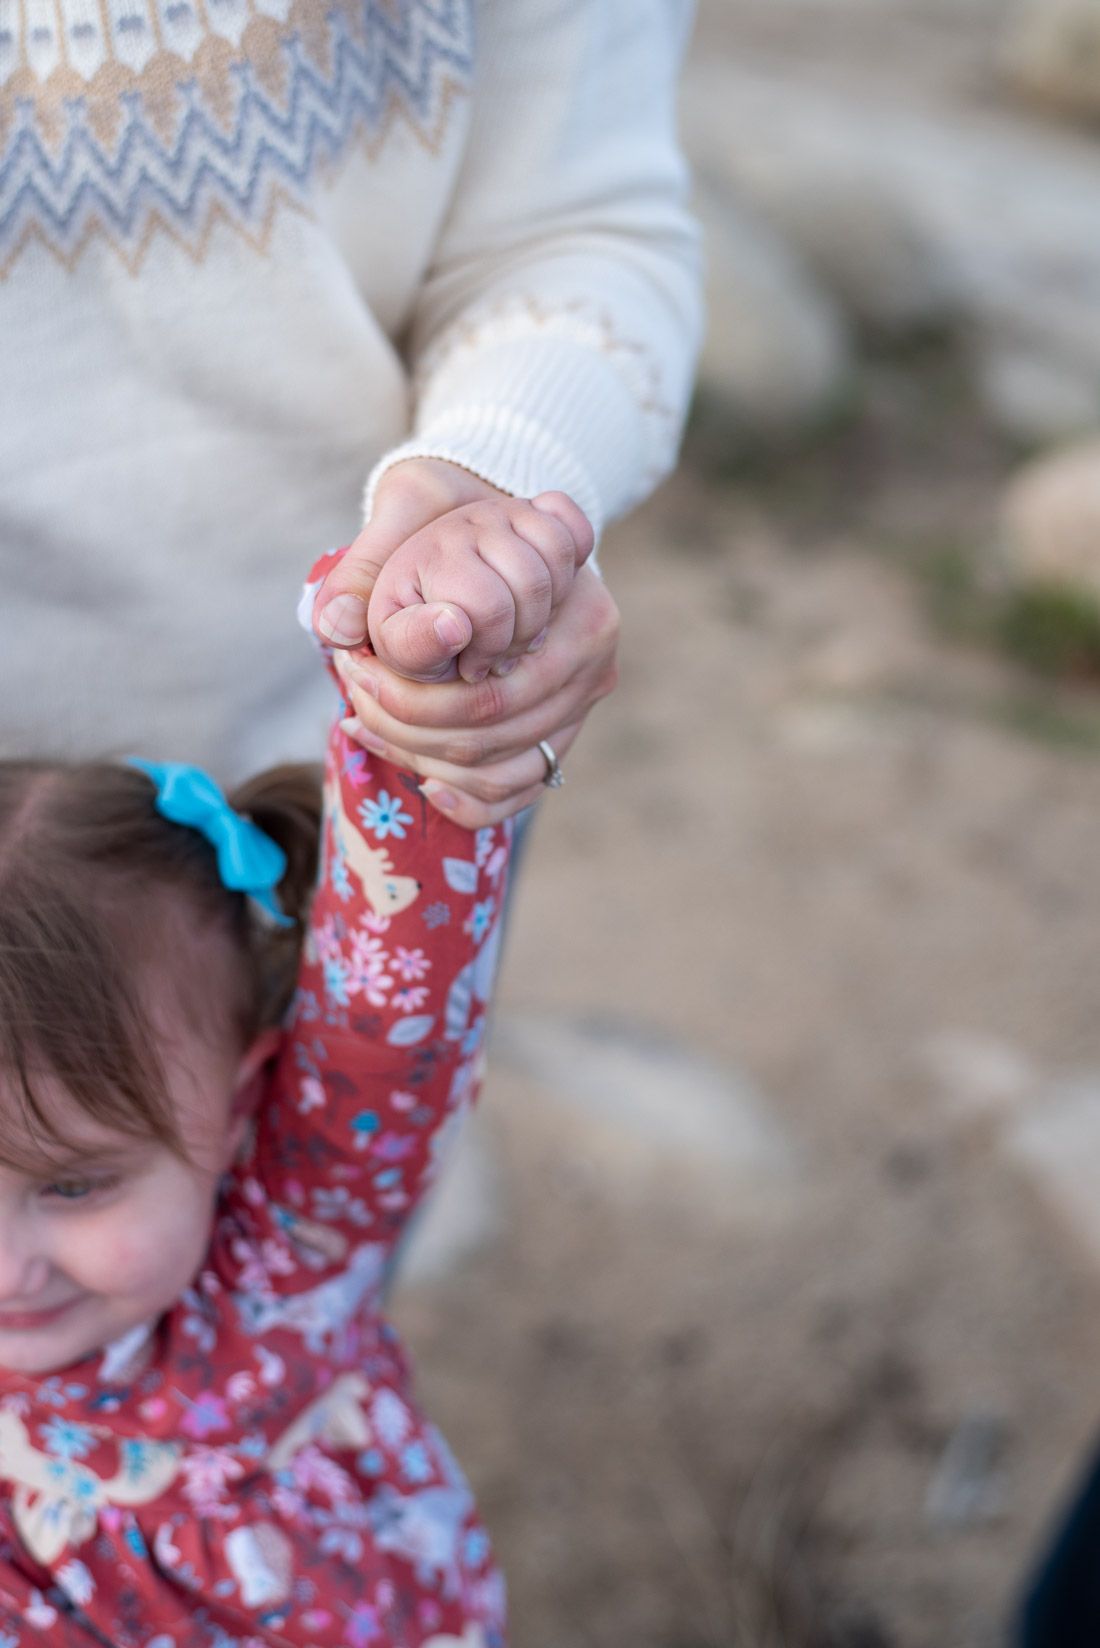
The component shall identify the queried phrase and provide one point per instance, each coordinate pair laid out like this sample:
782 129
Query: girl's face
110 1236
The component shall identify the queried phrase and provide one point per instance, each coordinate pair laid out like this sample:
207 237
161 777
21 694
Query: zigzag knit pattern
229 137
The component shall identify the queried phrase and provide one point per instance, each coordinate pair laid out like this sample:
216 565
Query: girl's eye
76 1190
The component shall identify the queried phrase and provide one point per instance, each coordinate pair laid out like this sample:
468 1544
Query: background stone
1051 520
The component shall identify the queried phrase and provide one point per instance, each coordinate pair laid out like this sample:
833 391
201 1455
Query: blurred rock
865 244
1052 55
462 1214
776 358
1057 1146
976 1078
969 1486
1033 395
1051 520
644 1104
1005 214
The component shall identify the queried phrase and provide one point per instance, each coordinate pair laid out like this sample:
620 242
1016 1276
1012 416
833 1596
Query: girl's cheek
140 1247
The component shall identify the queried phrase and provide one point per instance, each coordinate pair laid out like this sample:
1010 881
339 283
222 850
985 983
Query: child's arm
384 1055
477 587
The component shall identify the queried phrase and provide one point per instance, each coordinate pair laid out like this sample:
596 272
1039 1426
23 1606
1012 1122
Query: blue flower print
480 919
336 980
475 1547
363 1125
133 1538
371 1463
415 1464
341 881
66 1439
437 915
385 816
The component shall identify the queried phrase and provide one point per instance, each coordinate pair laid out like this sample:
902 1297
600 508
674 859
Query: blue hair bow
248 860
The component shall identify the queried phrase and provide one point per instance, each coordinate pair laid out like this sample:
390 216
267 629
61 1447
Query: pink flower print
206 1413
207 1473
290 1504
410 964
368 970
278 1257
240 1386
403 1101
393 1147
375 924
310 1469
410 999
315 1619
312 1095
167 1553
326 940
483 844
252 1274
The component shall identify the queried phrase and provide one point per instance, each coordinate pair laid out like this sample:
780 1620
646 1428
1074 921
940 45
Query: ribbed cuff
531 406
502 447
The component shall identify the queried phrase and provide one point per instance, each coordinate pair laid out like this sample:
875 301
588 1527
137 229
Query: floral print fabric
252 1469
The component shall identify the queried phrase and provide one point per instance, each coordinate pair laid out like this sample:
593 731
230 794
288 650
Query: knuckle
466 749
488 701
538 587
494 792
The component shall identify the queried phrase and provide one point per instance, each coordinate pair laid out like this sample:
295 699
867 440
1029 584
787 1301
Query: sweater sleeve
554 338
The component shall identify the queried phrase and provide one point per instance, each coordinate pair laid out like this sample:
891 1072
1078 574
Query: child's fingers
573 518
528 578
422 641
553 541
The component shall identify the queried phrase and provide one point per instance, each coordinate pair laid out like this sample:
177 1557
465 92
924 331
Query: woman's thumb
340 607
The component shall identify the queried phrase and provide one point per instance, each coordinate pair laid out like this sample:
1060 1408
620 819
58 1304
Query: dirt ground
810 831
818 826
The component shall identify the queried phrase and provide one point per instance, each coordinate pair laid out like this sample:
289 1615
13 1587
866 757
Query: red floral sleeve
385 1049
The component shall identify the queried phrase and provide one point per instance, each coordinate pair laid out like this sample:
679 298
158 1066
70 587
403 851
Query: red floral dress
252 1469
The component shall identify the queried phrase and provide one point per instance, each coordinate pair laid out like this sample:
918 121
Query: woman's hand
475 744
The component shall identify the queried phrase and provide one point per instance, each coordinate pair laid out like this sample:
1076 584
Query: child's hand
475 589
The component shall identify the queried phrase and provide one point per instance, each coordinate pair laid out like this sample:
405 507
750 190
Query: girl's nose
24 1267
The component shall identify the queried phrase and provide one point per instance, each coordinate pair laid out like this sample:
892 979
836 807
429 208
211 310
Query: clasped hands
467 628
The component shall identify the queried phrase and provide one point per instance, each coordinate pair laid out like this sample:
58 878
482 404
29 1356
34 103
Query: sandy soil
808 833
812 830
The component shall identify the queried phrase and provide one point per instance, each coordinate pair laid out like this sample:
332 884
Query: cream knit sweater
252 251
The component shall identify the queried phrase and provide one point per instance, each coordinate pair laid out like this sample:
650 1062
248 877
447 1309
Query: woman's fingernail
440 795
363 678
539 640
369 740
506 668
450 629
343 620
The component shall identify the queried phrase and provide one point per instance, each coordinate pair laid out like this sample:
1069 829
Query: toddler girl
207 1434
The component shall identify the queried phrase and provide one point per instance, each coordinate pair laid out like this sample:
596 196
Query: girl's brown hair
99 893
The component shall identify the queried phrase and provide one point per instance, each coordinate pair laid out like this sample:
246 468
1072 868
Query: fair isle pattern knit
122 119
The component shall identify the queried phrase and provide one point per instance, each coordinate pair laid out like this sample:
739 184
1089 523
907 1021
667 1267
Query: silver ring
555 778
